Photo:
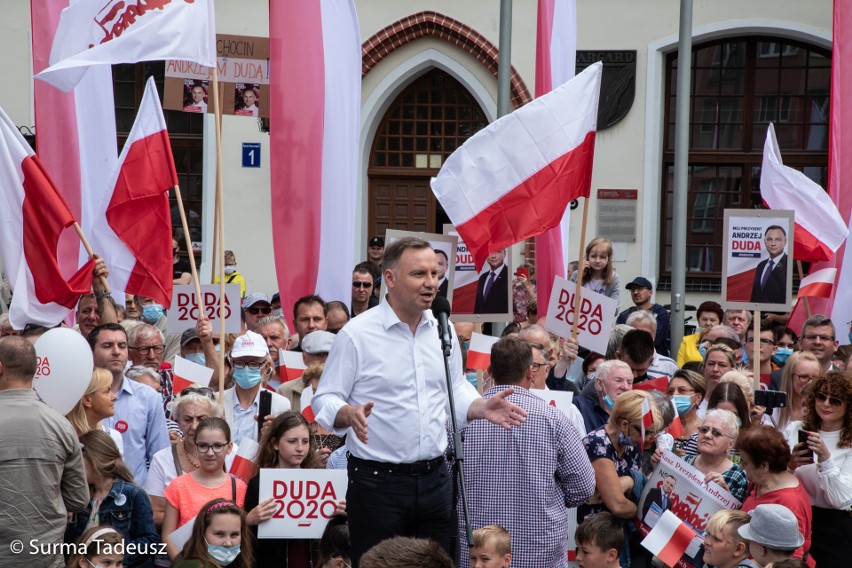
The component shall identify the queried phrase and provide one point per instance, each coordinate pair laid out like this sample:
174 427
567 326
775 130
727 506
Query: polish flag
556 53
187 373
291 366
669 539
132 227
307 410
818 284
243 465
315 90
675 429
647 418
98 32
660 383
513 179
33 215
479 354
820 230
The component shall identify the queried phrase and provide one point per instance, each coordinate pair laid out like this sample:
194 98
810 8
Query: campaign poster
486 294
183 313
597 315
757 266
678 487
305 499
444 247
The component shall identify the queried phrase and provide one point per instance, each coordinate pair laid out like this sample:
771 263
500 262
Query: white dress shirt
375 358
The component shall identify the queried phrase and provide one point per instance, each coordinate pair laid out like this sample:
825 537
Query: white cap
250 345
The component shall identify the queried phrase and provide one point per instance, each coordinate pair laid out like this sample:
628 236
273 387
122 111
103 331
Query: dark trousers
831 538
382 504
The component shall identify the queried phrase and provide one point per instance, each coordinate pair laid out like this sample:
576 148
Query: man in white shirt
389 359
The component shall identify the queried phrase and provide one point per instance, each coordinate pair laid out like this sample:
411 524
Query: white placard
304 501
181 535
183 314
64 368
597 315
562 400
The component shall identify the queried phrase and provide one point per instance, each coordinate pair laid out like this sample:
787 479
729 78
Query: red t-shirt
796 499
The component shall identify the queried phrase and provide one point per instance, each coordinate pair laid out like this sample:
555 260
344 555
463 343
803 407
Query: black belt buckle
423 467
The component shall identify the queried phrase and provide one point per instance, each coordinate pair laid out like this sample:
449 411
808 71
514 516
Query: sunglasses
203 391
255 311
833 401
362 285
715 431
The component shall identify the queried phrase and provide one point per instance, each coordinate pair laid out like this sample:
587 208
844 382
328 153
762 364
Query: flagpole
90 253
756 351
580 267
217 110
805 298
199 300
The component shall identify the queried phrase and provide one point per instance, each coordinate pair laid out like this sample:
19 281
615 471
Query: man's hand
354 417
204 329
100 272
498 410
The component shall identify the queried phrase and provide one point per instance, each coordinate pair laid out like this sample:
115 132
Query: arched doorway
430 119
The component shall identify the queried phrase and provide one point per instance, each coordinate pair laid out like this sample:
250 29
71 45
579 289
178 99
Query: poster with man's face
757 267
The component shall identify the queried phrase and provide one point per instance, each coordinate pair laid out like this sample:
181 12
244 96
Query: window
739 86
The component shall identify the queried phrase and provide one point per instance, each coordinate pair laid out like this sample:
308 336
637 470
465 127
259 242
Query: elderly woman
801 369
709 314
687 389
828 426
716 437
765 455
718 360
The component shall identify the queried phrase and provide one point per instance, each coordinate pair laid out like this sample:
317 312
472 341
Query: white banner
184 315
597 315
304 501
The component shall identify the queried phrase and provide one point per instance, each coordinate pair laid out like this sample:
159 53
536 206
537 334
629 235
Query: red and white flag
647 419
291 366
660 383
243 465
186 373
315 89
556 52
305 401
513 179
818 284
820 229
132 226
479 353
675 429
33 215
97 32
669 539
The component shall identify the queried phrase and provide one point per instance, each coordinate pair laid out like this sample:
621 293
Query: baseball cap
252 299
250 345
773 526
640 282
276 296
317 342
188 336
377 242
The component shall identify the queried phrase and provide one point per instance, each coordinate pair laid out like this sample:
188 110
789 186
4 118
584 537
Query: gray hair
136 371
537 330
819 320
143 330
642 316
727 417
179 401
618 332
727 331
664 405
606 367
268 320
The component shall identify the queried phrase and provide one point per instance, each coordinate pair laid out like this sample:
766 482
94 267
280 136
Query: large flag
96 32
32 216
513 179
839 305
315 90
132 227
555 57
820 229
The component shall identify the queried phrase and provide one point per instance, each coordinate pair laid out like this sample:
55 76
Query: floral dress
599 446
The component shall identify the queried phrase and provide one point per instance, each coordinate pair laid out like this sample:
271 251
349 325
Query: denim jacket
127 510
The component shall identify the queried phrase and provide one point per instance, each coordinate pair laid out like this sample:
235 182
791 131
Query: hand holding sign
64 368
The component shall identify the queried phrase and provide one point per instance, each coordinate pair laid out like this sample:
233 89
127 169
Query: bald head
17 362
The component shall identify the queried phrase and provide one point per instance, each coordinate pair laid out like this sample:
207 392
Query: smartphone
770 399
803 441
264 407
523 272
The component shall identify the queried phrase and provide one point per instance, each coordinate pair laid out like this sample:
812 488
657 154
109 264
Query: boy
492 548
723 545
599 539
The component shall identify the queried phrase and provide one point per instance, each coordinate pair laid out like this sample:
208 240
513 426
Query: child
598 273
334 544
187 494
492 548
599 539
101 544
116 501
219 538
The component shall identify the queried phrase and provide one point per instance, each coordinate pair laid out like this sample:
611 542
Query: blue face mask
745 357
152 312
247 378
197 358
608 402
702 349
471 378
683 403
781 355
224 555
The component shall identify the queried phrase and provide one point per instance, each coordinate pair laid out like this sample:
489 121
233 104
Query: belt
415 468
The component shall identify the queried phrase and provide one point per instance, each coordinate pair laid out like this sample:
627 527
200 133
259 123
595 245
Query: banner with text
597 315
184 314
305 499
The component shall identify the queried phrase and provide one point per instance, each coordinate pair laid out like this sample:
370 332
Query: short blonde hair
743 379
495 534
720 519
628 406
229 257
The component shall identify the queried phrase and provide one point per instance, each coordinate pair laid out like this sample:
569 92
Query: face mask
247 378
230 269
152 312
222 554
590 376
703 350
217 348
781 355
625 440
279 312
471 377
608 402
745 357
683 403
197 358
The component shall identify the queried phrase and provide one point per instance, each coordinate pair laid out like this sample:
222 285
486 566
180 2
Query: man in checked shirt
524 479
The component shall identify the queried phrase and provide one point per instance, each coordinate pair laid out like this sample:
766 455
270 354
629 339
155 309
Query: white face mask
230 269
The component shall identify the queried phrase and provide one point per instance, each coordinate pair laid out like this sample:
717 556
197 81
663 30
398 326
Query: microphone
441 311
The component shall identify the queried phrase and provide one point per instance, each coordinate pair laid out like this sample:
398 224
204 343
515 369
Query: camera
770 399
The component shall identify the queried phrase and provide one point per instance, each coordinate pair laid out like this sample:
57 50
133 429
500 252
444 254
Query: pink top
796 499
187 495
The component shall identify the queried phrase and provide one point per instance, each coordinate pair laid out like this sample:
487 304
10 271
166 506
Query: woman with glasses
822 462
716 437
687 389
765 455
801 370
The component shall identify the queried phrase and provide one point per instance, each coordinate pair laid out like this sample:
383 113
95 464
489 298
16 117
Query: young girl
187 494
219 538
96 404
101 544
598 273
116 501
288 444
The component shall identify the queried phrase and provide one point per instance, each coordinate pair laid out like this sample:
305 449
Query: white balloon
64 368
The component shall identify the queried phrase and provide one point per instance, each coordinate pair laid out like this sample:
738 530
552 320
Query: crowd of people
135 461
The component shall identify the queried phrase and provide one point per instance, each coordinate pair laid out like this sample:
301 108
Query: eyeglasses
204 448
715 431
203 391
253 365
803 378
158 349
833 401
814 337
254 311
763 341
362 284
537 366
